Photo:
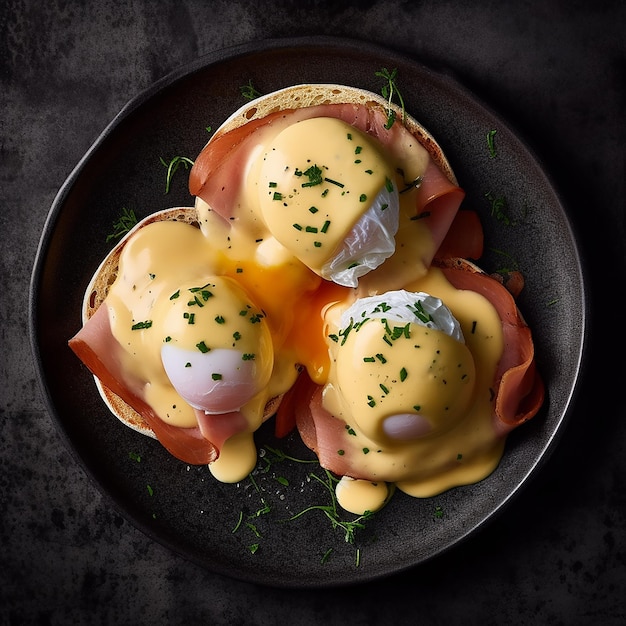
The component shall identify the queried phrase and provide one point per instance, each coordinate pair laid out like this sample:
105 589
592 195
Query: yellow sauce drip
359 496
236 460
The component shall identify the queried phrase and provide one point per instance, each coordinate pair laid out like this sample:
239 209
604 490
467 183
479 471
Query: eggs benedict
319 267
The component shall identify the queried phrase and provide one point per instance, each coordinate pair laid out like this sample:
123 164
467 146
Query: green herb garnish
349 528
490 143
173 166
314 174
249 92
512 266
499 208
123 224
388 91
141 325
203 348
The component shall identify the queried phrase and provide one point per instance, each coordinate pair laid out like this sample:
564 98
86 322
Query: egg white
369 243
218 381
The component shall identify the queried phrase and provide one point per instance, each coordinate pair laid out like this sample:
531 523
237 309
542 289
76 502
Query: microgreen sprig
349 527
173 166
512 266
388 91
249 92
123 224
269 458
499 208
491 146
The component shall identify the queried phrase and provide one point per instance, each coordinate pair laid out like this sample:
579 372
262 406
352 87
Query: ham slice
518 387
464 239
321 431
219 169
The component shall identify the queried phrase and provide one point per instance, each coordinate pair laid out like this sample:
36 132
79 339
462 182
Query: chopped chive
141 325
491 143
314 174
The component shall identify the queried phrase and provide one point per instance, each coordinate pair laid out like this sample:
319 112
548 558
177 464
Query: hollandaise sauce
215 321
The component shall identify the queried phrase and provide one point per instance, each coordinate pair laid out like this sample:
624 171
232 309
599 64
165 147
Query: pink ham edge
217 428
518 386
322 432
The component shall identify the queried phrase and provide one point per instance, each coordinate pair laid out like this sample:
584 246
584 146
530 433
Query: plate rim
250 48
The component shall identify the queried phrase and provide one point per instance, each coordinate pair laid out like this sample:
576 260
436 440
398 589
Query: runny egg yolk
329 196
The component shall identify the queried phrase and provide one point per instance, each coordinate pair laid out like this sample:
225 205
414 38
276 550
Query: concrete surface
556 71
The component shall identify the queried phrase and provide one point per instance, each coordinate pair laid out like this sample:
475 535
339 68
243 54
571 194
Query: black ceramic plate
184 507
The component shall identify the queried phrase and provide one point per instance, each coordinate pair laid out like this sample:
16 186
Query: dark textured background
556 71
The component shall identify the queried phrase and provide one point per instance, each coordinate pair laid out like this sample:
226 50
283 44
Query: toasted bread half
300 96
97 291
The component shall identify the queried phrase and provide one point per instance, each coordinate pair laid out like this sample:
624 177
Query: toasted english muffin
301 96
96 293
